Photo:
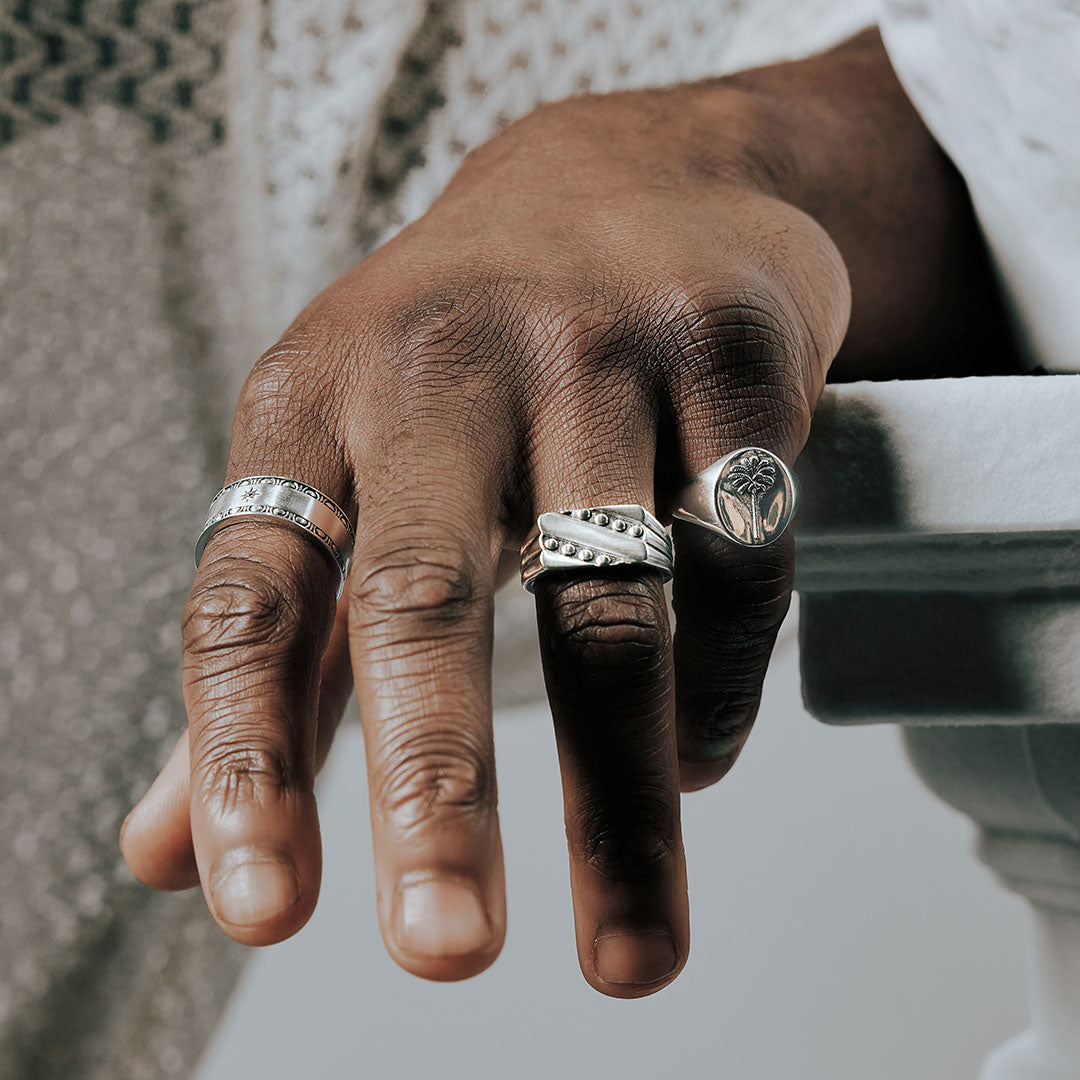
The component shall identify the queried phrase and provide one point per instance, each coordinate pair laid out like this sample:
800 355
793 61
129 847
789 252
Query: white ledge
939 553
942 457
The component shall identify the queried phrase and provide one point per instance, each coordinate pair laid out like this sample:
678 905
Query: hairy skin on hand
610 295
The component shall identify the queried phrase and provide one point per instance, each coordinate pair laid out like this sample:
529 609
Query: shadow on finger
607 662
729 602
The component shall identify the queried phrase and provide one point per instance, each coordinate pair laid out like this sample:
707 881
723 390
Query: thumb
156 837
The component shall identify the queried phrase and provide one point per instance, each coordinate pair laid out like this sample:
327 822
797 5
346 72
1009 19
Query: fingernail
634 959
253 891
441 917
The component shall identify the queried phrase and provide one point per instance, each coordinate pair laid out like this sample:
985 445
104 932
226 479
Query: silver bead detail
572 540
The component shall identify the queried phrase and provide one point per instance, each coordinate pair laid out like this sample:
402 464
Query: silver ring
596 537
277 498
747 496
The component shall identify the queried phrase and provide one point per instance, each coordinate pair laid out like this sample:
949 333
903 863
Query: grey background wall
842 930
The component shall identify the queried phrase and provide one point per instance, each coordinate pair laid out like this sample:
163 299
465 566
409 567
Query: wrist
836 136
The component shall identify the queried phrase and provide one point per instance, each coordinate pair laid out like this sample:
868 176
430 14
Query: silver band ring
596 538
277 498
747 496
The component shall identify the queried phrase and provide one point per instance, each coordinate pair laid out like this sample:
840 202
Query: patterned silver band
277 498
596 537
747 496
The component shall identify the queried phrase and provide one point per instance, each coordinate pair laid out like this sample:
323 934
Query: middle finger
420 629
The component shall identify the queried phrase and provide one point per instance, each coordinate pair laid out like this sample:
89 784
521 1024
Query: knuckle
592 334
432 770
281 375
237 764
632 847
726 724
294 390
452 357
270 380
736 601
414 581
451 328
609 625
733 330
749 628
720 722
238 614
737 360
757 622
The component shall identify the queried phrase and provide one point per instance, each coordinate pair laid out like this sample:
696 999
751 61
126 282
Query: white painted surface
944 456
842 930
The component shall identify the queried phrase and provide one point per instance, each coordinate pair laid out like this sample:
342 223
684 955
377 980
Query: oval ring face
755 497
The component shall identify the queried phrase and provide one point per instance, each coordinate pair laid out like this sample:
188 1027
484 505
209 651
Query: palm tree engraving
752 475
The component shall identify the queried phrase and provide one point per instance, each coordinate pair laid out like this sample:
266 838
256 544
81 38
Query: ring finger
606 652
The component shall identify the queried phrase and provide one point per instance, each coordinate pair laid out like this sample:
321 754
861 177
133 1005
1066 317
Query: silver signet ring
747 496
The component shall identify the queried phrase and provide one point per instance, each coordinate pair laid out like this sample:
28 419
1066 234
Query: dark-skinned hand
610 295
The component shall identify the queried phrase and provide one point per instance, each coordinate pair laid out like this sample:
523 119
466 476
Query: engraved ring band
747 497
595 538
277 498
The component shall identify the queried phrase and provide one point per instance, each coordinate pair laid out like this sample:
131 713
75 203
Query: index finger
254 631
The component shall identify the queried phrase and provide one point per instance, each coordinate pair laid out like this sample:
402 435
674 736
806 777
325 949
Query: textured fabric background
108 451
111 437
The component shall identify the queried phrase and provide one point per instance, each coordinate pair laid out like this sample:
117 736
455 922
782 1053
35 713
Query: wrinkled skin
609 296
